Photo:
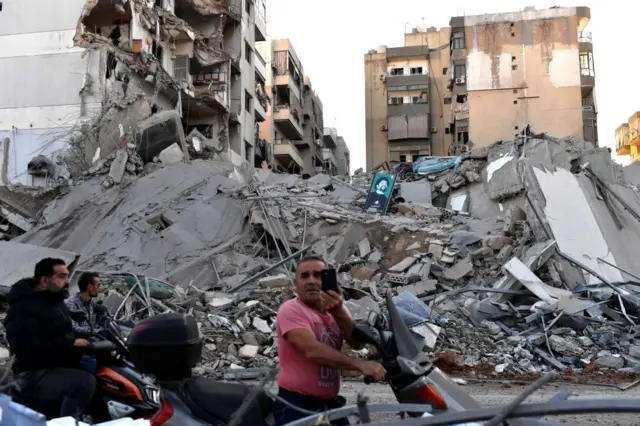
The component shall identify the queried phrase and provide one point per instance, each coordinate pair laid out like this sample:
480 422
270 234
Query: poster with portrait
380 191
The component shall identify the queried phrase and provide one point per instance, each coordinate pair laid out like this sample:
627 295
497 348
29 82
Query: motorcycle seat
216 402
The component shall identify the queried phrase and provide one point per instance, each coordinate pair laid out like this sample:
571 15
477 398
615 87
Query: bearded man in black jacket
39 330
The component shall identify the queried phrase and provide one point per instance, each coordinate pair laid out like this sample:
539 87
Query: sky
331 38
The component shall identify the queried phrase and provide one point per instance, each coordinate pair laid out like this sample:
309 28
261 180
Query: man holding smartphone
311 329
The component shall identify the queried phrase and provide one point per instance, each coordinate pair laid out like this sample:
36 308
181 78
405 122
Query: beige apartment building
483 79
294 127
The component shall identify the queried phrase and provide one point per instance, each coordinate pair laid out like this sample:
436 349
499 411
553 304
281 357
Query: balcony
330 138
287 155
328 155
585 42
260 19
408 52
287 123
408 109
287 80
261 66
409 82
622 140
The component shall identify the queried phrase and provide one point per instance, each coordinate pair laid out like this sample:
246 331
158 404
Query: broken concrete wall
157 133
163 220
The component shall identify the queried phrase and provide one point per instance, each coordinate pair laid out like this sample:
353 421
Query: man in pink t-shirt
311 329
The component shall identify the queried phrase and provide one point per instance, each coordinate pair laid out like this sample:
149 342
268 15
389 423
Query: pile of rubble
517 256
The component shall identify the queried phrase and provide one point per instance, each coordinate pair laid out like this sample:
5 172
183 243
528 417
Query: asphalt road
494 393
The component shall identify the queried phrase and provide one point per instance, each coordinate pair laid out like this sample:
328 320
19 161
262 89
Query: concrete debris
487 277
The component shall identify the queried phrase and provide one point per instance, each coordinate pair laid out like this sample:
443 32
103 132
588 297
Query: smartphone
329 280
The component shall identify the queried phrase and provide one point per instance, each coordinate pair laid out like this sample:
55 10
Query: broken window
444 70
159 222
416 70
248 52
396 100
403 158
397 71
159 3
460 70
181 67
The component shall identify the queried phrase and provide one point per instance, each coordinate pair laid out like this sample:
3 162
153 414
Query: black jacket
38 328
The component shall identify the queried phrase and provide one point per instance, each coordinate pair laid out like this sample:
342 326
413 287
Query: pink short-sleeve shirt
297 373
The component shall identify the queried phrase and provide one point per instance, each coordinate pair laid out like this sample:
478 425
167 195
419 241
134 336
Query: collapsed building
517 257
105 69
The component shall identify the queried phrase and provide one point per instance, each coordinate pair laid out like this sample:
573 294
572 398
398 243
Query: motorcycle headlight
153 394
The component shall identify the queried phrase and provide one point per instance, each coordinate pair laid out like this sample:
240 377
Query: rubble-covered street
511 259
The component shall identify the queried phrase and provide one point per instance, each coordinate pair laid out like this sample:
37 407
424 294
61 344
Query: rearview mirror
366 334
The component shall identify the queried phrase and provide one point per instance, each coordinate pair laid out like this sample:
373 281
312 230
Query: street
488 394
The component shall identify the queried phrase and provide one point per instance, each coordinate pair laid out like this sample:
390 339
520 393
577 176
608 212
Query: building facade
483 79
628 138
294 128
113 64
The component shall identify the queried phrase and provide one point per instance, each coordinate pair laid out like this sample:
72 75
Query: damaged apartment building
102 72
294 129
483 79
89 81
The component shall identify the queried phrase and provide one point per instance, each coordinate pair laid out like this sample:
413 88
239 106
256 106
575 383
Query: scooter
410 374
122 391
198 401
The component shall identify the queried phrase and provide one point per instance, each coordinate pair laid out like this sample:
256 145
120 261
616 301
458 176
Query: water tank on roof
382 49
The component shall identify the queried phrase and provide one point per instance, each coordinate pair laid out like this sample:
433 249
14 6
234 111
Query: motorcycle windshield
405 343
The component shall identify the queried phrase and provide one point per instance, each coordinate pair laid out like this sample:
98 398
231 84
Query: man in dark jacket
40 335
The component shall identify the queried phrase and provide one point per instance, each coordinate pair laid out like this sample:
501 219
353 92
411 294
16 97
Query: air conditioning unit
384 128
464 148
383 78
434 130
460 80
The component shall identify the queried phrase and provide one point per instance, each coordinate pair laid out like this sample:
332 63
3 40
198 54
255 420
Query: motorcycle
198 401
121 390
410 374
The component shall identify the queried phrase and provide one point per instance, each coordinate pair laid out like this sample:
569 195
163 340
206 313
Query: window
403 158
247 101
396 100
447 131
248 52
181 67
457 38
159 222
586 64
416 71
514 67
421 99
447 101
247 6
247 151
444 70
159 3
460 70
0 6
397 71
415 157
